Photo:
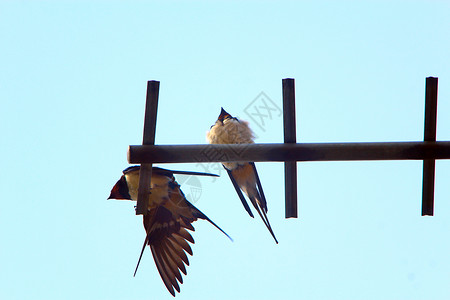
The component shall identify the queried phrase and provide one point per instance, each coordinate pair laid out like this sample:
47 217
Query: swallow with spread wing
169 217
243 175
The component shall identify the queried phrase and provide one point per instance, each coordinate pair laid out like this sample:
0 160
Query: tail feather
260 189
264 218
198 214
261 205
140 256
239 192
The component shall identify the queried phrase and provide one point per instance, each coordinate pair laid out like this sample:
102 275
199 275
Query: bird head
120 191
223 115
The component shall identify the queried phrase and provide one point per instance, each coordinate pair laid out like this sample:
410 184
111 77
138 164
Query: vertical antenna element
145 173
290 136
431 91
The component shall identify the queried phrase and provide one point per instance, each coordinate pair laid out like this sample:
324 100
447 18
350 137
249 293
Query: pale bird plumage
230 131
243 175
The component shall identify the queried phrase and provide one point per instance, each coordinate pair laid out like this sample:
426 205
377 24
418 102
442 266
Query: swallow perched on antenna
169 217
243 175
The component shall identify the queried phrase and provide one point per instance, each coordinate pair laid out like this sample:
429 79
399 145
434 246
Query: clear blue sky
72 91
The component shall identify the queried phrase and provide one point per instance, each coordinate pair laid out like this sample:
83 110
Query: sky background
72 90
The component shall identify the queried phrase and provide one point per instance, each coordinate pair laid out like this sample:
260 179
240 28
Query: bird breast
230 131
159 188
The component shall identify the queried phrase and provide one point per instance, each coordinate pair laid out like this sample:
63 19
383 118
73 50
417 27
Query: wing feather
263 203
168 224
179 251
171 266
185 235
175 257
182 242
239 192
162 270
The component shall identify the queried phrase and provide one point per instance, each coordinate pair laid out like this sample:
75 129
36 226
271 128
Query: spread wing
168 239
167 227
168 219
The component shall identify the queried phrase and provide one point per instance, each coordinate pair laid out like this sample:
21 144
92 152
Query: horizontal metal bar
289 152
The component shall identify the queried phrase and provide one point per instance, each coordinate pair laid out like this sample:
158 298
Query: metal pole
290 136
429 136
289 152
145 173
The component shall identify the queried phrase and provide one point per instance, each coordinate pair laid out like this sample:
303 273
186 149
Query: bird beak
223 115
120 190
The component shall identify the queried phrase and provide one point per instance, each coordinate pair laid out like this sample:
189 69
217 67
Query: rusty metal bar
428 187
145 173
290 136
431 92
294 152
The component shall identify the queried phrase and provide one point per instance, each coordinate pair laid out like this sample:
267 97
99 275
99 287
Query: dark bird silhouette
169 217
